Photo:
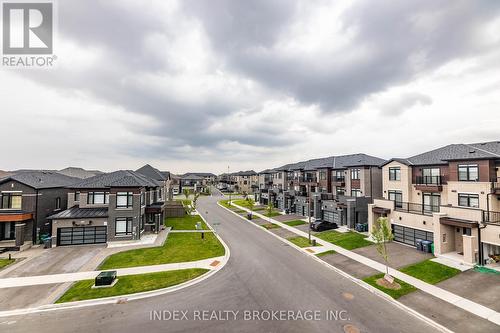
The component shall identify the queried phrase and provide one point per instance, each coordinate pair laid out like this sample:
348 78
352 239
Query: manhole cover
348 296
351 329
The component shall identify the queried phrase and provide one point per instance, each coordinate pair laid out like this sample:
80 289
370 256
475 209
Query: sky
207 85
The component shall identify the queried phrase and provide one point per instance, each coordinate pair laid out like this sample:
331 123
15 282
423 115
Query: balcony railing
416 208
339 179
491 217
430 180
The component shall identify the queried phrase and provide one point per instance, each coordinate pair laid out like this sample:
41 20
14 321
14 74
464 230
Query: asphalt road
262 275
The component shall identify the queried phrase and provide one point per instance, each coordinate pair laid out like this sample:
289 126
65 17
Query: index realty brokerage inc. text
249 315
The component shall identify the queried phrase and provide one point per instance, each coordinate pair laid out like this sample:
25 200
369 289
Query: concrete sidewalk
211 263
461 302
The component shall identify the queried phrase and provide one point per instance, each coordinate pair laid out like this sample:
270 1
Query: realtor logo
27 28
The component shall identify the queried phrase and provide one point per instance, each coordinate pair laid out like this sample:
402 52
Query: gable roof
76 212
41 179
149 171
334 162
120 178
455 152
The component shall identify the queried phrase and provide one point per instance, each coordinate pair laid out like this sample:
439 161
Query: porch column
438 233
19 232
470 248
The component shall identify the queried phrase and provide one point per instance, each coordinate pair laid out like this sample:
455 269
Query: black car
323 225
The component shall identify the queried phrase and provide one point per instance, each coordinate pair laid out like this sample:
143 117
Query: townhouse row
121 205
450 196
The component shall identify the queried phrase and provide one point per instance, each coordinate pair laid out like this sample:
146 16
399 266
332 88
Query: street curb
124 298
353 279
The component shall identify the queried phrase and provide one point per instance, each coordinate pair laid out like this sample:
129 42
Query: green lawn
299 241
5 262
295 223
322 254
259 208
179 247
130 284
270 226
242 203
430 271
225 203
348 240
405 287
187 222
273 213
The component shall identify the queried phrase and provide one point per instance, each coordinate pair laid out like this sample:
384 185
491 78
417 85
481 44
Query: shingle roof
41 179
244 173
474 151
151 172
120 178
79 172
335 162
80 213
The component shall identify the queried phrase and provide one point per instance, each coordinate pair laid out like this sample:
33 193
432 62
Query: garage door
408 235
81 235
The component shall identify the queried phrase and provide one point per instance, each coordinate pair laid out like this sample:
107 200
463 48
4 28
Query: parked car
323 225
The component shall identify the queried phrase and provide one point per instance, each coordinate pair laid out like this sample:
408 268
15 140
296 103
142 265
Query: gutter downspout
35 222
480 246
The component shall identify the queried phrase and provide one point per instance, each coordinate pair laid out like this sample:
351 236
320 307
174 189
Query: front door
459 241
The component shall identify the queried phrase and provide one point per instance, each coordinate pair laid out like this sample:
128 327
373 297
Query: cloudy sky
200 85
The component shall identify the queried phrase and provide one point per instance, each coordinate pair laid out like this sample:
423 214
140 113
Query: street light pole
309 214
230 189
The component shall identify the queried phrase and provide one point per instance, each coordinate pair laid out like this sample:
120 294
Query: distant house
197 180
27 198
4 174
79 172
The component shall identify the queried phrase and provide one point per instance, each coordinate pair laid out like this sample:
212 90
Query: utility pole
230 188
309 215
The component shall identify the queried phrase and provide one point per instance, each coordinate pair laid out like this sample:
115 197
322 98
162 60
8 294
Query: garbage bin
426 246
249 216
418 243
365 227
47 243
432 248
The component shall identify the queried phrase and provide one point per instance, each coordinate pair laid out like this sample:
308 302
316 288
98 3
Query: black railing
491 217
429 180
416 208
339 179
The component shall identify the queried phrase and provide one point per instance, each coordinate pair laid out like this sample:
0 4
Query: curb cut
123 298
355 280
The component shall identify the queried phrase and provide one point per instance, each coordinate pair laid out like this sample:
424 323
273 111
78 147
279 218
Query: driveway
51 261
399 255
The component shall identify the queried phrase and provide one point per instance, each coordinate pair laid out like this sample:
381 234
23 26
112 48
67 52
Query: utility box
105 278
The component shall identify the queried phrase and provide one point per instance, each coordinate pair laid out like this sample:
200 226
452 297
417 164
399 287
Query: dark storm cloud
244 35
403 38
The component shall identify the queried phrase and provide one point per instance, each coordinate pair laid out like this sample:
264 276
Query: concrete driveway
43 262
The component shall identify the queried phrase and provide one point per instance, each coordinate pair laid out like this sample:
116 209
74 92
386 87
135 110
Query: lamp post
229 180
309 217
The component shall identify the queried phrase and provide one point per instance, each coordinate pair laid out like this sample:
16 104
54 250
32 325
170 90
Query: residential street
262 274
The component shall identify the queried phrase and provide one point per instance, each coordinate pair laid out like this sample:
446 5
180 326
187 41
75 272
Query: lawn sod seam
294 223
187 222
179 247
130 284
348 240
405 287
430 271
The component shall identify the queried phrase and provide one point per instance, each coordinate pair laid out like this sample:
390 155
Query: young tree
186 193
270 207
196 196
382 234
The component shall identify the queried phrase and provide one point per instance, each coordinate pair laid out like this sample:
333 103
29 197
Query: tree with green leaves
382 234
186 193
195 198
270 207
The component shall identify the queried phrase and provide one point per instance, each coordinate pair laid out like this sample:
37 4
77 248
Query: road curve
262 275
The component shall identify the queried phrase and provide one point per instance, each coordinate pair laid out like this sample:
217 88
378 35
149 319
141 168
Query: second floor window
97 198
124 199
322 175
11 200
468 172
395 173
143 198
397 197
355 174
77 197
468 200
58 203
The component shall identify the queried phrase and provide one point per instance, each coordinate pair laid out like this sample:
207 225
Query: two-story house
120 205
449 196
246 181
265 183
27 198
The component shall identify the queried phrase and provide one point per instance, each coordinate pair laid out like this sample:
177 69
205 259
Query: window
340 191
339 175
431 176
395 173
97 198
11 200
58 203
397 197
355 193
123 226
468 200
77 196
124 199
431 202
143 199
468 172
467 231
355 174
